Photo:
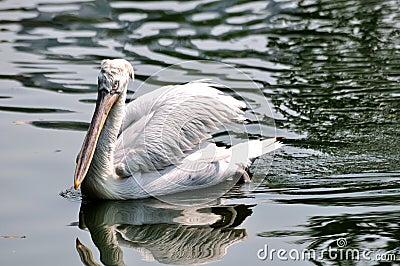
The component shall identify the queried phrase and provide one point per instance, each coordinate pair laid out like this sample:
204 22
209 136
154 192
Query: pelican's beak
105 101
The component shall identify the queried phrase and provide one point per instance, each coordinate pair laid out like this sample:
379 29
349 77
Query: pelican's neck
101 171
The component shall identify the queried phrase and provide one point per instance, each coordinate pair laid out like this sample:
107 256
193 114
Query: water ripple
329 69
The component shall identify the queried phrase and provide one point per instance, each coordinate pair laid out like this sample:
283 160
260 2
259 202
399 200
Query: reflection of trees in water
166 233
378 232
344 60
340 87
342 55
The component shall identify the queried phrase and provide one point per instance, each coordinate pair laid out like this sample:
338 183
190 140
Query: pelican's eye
115 85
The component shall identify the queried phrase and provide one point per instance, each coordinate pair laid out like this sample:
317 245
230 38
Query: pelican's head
113 81
114 75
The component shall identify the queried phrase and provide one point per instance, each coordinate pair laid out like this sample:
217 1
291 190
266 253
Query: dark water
330 70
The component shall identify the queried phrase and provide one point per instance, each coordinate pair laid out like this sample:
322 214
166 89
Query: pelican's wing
161 126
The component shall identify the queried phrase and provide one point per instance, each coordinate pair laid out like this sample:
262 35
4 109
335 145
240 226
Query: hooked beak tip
76 185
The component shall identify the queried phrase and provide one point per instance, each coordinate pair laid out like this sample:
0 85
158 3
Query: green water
329 70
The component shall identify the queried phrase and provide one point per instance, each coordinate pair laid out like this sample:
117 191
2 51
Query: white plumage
159 143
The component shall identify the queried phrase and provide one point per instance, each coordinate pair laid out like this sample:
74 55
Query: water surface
329 70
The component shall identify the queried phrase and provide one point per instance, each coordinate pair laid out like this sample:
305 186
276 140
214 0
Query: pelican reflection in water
160 143
189 235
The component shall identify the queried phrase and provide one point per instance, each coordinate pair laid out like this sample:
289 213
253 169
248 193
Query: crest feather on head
117 66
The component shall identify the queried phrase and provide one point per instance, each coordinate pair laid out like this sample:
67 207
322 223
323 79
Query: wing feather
160 127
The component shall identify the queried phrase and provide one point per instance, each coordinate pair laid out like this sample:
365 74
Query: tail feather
242 153
222 162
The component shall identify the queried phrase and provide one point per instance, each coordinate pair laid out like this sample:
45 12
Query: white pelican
157 144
